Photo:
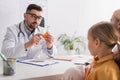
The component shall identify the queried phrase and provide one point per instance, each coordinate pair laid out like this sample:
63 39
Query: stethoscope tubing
20 31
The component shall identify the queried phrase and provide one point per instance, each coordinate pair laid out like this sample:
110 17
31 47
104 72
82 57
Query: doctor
25 39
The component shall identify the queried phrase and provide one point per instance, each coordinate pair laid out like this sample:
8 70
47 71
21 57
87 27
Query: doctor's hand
49 40
34 40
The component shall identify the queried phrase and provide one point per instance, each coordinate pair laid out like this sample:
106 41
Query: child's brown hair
108 34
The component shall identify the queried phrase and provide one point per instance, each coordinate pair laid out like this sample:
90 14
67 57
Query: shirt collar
102 60
106 58
27 31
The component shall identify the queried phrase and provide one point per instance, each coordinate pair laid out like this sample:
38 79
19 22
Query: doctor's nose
36 21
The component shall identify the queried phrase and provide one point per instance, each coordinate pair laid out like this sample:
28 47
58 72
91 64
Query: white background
63 16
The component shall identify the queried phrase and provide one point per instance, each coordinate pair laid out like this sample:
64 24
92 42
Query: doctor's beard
33 25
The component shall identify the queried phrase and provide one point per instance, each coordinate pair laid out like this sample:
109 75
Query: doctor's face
33 19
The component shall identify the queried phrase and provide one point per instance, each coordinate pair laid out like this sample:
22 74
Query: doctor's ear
25 15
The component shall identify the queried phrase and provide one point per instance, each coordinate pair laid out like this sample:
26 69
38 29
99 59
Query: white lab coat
13 46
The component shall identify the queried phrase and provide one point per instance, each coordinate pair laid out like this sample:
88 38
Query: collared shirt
103 69
27 31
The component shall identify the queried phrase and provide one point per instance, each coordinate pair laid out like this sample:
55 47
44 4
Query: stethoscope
20 31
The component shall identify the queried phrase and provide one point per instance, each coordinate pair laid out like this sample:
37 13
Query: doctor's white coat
13 46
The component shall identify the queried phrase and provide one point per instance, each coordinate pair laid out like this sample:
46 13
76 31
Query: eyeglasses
34 16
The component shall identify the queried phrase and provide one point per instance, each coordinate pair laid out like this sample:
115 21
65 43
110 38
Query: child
102 38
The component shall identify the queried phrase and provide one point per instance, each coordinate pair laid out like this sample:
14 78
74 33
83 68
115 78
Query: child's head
102 37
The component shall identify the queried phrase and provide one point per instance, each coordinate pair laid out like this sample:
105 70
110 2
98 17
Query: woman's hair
108 34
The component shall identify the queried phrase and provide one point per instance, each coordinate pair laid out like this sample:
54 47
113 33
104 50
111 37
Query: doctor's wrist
50 47
28 44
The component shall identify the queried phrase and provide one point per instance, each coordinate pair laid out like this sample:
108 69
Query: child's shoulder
111 65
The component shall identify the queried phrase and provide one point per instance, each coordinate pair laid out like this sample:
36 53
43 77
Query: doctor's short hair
33 6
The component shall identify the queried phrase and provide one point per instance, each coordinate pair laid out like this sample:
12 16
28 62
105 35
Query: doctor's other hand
49 40
34 40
